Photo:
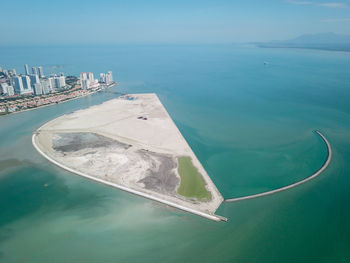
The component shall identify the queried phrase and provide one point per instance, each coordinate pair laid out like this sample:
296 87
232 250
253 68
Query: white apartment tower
27 87
91 77
41 72
83 75
38 90
85 84
46 86
4 88
52 83
26 69
17 84
85 80
102 77
60 82
21 84
34 71
109 77
34 79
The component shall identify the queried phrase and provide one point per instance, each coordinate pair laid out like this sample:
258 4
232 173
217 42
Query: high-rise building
4 88
60 82
83 75
27 87
106 78
46 86
34 71
90 76
17 84
26 69
85 84
84 80
7 90
52 83
26 82
38 90
102 77
109 77
34 79
41 72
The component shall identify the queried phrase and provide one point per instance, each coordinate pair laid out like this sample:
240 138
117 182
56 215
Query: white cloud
334 5
324 4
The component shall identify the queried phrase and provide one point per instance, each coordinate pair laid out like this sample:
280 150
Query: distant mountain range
326 41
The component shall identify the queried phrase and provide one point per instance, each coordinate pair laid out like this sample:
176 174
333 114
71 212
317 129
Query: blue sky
160 21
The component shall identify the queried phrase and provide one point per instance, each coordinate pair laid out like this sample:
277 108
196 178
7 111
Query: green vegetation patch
192 183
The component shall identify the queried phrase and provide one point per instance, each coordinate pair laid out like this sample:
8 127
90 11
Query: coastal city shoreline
63 101
29 91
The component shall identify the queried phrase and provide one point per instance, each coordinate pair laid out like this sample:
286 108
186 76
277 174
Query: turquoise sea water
250 125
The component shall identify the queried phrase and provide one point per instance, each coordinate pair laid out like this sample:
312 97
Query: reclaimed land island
131 143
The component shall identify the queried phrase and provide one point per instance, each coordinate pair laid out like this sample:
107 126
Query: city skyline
112 22
33 89
28 83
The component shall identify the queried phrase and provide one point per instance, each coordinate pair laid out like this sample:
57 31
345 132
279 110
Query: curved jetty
131 143
324 166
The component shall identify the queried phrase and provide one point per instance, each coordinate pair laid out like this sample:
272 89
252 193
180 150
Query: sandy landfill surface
130 143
